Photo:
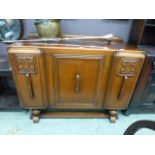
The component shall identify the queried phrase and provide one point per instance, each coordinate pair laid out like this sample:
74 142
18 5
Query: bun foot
113 116
35 119
36 116
36 112
112 119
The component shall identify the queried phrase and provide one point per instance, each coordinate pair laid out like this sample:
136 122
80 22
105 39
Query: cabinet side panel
29 76
124 74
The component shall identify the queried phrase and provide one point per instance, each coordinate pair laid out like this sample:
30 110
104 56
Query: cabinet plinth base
74 115
37 114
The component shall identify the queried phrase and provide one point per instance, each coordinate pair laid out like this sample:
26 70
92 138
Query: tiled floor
18 123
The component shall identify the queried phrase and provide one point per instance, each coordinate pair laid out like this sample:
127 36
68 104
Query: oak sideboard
74 79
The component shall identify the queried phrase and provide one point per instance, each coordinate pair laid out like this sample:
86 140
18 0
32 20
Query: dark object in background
136 126
143 99
8 95
142 32
11 29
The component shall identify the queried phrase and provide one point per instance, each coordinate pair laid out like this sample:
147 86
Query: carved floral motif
25 64
127 66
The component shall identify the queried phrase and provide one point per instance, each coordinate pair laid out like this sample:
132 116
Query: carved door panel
124 74
78 80
28 71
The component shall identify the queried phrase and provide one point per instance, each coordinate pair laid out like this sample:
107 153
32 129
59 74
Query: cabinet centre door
77 81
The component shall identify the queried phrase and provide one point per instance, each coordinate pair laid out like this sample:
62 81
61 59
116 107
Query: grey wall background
82 26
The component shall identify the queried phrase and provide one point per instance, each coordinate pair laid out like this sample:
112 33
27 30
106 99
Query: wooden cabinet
143 100
75 77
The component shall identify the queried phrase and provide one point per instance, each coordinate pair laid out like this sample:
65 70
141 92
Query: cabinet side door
28 71
123 78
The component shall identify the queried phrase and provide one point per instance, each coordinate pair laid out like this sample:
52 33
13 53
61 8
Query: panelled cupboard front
53 77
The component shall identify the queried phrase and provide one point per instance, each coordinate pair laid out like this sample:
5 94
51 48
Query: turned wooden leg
113 116
35 116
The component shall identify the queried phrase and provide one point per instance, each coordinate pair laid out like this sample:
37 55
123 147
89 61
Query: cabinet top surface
76 44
